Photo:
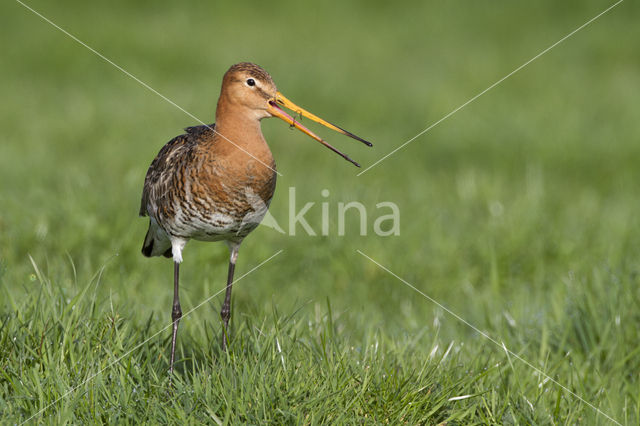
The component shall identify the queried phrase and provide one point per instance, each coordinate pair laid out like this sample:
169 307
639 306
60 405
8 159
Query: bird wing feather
163 166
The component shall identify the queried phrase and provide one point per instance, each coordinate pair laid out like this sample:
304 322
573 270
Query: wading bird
215 183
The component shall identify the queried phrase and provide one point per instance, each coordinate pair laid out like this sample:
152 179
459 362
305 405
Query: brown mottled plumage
194 191
215 183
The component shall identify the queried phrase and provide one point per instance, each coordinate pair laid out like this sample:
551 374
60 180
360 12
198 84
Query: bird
215 182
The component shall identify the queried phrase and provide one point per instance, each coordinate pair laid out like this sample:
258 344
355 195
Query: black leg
225 313
176 314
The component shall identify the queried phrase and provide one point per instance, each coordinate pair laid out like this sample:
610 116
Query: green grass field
519 213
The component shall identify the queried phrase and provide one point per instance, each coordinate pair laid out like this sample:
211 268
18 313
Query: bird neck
239 129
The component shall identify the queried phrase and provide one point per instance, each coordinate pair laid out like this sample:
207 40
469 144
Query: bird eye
251 82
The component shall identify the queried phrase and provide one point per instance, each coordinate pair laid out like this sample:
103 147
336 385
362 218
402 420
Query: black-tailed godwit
215 183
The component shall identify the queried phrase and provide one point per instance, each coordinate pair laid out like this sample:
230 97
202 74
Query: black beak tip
355 163
349 159
367 143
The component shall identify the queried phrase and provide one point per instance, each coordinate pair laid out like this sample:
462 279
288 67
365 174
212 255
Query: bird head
249 86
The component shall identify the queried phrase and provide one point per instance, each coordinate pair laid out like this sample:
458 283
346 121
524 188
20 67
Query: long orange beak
276 111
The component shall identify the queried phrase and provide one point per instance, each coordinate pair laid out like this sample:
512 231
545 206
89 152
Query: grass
519 213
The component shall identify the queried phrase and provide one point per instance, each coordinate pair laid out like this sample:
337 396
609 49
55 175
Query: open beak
276 111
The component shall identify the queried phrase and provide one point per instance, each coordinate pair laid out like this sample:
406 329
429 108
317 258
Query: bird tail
156 242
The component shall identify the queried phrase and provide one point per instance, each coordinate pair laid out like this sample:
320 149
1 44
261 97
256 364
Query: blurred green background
516 212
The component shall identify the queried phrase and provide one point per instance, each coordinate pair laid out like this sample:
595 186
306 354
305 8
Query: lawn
510 295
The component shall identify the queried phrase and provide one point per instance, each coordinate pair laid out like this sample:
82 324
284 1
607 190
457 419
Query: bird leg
225 312
176 314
